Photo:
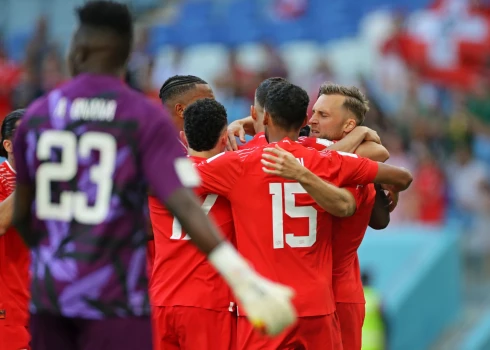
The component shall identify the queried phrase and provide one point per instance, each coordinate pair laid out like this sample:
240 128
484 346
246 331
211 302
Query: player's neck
103 71
204 154
11 161
273 135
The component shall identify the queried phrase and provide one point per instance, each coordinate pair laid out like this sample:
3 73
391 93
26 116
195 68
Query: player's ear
266 118
179 110
253 113
7 144
350 124
183 139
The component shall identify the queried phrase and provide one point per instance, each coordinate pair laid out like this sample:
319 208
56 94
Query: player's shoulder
39 106
316 143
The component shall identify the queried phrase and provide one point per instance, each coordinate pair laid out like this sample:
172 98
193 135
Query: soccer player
84 155
337 112
14 255
362 140
176 94
283 232
192 305
180 91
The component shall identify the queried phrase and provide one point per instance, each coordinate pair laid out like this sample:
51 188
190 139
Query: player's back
280 229
83 149
181 274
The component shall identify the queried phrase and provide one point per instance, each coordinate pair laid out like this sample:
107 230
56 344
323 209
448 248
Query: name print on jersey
97 109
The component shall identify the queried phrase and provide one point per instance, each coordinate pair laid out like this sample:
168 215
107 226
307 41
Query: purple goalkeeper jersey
90 149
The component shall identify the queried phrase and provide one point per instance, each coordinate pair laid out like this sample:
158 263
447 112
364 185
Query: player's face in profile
328 117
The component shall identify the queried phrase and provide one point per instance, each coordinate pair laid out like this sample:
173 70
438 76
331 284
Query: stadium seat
205 60
376 27
301 58
252 56
344 54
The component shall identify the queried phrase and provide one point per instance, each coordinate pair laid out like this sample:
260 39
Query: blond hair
355 101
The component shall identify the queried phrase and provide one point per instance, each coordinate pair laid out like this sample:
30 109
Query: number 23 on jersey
73 205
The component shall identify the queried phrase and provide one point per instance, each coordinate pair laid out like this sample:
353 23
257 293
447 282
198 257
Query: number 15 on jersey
286 192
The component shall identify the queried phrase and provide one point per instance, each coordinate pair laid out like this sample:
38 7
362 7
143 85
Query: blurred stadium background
424 64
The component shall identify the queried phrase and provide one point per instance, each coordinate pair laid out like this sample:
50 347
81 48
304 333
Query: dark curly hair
204 122
287 105
262 90
177 85
113 17
8 128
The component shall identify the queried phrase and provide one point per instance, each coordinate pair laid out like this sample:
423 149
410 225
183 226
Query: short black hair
178 84
8 128
113 17
261 92
287 105
204 121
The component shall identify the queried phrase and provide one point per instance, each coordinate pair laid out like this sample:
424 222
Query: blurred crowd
434 122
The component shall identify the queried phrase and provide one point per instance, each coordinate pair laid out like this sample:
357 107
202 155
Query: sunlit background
425 66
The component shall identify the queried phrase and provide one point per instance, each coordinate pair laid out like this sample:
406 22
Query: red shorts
193 328
14 337
314 332
351 317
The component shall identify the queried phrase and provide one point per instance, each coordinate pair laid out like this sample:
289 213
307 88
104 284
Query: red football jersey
181 275
14 263
314 142
279 228
150 247
348 234
258 140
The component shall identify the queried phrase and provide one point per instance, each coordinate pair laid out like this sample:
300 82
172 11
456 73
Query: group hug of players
283 222
266 258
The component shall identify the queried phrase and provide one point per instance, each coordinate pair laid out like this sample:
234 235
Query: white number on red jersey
290 209
74 205
206 206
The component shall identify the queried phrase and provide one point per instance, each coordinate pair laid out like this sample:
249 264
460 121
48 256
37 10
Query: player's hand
371 135
393 196
235 129
280 162
267 304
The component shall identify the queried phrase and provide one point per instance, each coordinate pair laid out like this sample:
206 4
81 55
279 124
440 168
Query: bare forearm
185 207
380 216
334 200
400 178
350 142
6 213
248 126
373 151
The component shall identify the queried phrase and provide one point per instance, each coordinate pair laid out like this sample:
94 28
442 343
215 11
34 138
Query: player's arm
373 151
351 142
239 128
334 200
24 196
380 216
354 170
6 213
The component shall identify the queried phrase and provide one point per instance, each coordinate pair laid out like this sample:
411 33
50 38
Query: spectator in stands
430 190
478 105
10 73
466 175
